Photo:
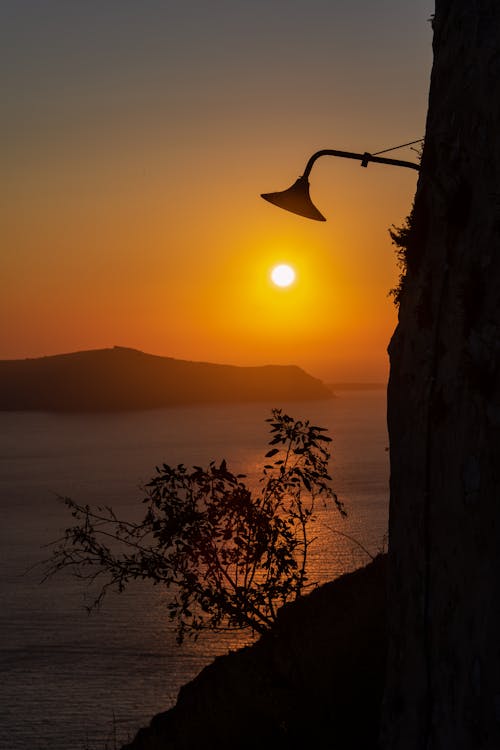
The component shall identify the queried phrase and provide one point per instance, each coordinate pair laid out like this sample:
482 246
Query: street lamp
297 199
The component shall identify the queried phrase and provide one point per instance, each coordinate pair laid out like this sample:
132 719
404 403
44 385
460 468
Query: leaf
272 452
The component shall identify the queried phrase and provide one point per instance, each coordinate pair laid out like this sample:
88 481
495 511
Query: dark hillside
316 681
120 379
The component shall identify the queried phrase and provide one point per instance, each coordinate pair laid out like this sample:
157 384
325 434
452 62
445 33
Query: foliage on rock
400 237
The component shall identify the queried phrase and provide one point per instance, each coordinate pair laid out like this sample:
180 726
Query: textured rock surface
443 686
316 681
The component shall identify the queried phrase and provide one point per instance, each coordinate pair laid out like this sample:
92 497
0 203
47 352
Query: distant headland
121 379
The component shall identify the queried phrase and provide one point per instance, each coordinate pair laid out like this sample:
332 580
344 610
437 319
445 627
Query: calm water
68 679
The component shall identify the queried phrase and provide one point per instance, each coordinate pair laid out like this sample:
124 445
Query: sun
283 275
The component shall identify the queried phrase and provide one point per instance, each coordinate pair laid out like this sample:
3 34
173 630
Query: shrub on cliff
231 556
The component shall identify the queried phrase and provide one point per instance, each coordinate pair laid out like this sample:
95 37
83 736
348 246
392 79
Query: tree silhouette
231 556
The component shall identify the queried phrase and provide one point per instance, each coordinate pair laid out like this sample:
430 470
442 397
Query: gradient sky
138 137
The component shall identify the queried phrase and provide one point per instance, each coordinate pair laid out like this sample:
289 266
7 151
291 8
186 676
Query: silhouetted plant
403 237
400 237
231 555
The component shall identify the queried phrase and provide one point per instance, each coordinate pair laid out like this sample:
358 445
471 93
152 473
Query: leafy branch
230 556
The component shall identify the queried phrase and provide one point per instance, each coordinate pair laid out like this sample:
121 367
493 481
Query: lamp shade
296 199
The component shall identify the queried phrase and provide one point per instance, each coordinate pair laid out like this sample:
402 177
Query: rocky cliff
443 687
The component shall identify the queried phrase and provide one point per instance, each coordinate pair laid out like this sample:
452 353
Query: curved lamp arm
363 158
297 199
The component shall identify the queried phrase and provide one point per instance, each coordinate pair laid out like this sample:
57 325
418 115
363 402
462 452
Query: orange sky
139 139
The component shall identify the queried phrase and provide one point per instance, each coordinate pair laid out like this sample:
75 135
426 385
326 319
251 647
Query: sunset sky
137 139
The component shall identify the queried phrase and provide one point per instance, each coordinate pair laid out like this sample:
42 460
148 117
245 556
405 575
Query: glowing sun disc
283 275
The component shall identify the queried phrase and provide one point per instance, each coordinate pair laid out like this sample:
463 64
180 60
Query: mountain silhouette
122 379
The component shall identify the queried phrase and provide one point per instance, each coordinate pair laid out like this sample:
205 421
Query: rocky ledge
316 681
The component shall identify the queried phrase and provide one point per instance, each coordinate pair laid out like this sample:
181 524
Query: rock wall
443 684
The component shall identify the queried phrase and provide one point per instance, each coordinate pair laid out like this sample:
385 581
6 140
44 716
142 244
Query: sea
70 680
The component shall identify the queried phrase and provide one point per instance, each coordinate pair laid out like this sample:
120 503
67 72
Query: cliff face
119 379
443 688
